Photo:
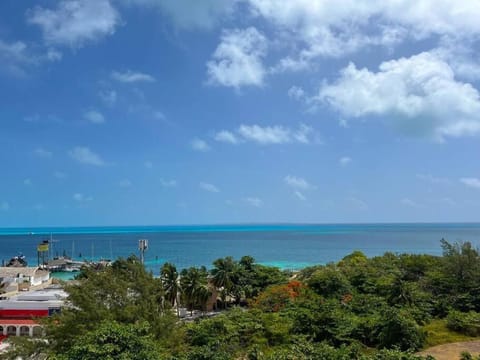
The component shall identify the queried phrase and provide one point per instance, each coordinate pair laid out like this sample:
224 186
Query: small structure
142 246
33 276
18 314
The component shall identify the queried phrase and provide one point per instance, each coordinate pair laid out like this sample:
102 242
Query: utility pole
142 246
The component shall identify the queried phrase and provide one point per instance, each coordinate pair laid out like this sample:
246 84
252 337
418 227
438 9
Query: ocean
288 246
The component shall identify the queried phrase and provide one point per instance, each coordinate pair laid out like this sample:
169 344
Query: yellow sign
42 247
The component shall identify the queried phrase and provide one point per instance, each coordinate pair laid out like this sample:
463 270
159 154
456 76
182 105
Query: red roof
5 322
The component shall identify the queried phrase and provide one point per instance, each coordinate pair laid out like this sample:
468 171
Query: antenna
142 246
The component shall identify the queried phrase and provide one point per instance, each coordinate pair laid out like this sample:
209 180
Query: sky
151 112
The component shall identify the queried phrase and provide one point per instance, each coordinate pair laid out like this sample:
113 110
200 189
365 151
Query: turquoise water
289 246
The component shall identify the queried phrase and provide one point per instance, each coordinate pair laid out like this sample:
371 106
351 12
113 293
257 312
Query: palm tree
171 285
193 282
225 276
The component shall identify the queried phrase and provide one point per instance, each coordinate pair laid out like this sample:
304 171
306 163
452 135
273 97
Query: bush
465 323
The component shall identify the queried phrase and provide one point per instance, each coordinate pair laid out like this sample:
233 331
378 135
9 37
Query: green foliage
465 323
378 308
329 281
398 329
114 341
124 293
195 289
438 333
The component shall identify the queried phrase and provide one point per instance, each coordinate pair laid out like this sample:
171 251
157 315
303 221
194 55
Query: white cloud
418 94
109 97
345 160
81 197
296 92
27 182
265 135
409 202
132 77
299 195
14 57
94 117
297 182
75 22
433 179
237 61
226 136
41 152
322 28
254 201
54 55
357 203
192 14
4 206
209 187
86 156
168 183
199 145
125 183
471 182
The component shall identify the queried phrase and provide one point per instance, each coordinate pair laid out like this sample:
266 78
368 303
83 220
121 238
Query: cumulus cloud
296 92
298 185
471 182
345 160
321 28
132 77
168 183
199 145
95 117
357 203
4 206
433 179
299 195
409 202
420 95
237 61
81 198
42 153
86 156
209 187
226 136
297 182
75 22
109 97
14 57
254 201
267 135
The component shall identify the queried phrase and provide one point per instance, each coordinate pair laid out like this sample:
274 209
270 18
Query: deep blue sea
290 246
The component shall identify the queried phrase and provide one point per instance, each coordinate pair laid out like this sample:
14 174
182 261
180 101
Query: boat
17 261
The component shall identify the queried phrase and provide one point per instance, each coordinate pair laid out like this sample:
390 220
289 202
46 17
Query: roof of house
24 271
6 322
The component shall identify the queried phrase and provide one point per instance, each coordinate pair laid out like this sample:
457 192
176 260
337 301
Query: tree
112 340
171 284
124 293
194 284
225 277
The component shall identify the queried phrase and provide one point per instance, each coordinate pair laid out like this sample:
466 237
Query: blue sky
125 112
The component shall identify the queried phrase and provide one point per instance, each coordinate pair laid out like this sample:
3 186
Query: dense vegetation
362 308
